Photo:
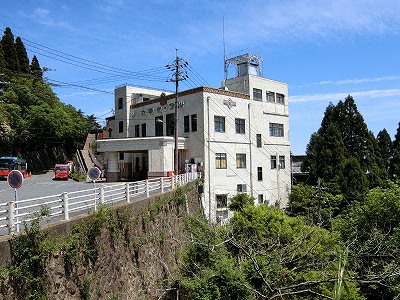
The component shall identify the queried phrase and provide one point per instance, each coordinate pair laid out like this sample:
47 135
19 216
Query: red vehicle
62 171
9 163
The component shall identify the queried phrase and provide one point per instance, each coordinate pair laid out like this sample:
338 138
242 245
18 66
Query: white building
238 136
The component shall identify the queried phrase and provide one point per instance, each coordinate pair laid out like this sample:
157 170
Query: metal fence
62 207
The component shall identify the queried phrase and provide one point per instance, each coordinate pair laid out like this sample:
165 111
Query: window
186 124
159 126
257 94
259 142
241 188
137 129
144 133
121 156
281 162
194 122
120 103
260 199
273 162
220 160
259 173
170 120
240 125
222 200
121 126
280 98
219 123
275 129
271 97
240 160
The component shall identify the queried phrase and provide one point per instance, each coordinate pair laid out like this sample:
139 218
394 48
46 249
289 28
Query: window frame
121 127
120 103
137 130
186 128
280 98
270 96
276 129
221 161
241 160
219 124
281 163
193 122
144 129
259 140
259 174
273 162
159 126
257 94
240 126
241 188
221 200
170 124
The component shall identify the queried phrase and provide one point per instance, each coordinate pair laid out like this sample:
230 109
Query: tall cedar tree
344 142
385 146
22 55
10 53
2 61
394 168
36 70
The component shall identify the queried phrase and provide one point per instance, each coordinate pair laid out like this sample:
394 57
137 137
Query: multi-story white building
238 136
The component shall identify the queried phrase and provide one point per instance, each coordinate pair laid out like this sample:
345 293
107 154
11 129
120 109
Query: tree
385 146
35 68
2 61
342 138
10 52
22 55
371 231
394 166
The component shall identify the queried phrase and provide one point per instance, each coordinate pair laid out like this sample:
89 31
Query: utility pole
178 75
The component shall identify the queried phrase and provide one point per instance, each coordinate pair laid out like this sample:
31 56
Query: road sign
15 179
94 173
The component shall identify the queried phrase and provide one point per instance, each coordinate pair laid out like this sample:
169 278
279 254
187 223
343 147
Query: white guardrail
62 207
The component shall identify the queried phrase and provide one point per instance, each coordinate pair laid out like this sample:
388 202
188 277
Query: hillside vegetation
34 123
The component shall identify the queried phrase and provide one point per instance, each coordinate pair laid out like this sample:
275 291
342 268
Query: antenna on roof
223 40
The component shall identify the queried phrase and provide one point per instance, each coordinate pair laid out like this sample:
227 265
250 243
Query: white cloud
43 16
333 97
359 81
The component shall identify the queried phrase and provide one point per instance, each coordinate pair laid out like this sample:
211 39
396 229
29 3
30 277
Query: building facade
237 136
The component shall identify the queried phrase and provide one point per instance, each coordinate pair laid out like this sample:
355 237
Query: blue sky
324 50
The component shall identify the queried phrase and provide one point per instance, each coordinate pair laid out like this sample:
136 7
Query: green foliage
10 53
372 231
32 117
394 168
262 254
315 204
22 55
344 154
385 145
240 201
29 251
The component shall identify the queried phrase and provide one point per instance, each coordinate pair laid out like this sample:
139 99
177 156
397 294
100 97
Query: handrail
62 206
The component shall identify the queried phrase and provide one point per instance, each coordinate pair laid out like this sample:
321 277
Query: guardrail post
102 195
66 208
127 192
147 188
162 184
11 226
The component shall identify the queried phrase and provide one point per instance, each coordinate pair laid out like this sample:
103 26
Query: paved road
39 186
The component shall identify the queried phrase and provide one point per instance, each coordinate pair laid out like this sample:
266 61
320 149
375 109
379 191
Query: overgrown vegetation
34 123
32 249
